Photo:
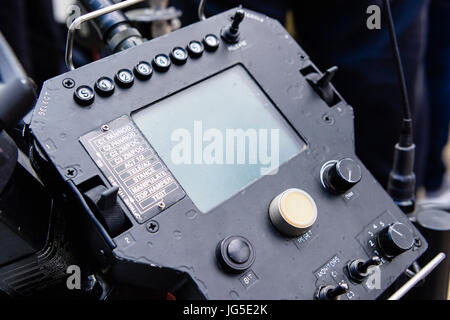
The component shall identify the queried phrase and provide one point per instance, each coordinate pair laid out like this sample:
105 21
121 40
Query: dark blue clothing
438 73
275 9
30 29
334 32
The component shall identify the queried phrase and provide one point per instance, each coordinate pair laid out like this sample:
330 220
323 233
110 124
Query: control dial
341 175
395 239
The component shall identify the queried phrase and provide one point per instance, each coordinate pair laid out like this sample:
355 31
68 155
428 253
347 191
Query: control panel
139 141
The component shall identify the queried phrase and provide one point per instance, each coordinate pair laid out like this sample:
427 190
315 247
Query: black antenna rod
402 180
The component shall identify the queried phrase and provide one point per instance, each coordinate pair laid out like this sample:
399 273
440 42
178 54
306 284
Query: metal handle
418 277
201 10
89 16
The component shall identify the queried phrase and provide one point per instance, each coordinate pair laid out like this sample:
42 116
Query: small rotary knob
340 176
293 212
395 239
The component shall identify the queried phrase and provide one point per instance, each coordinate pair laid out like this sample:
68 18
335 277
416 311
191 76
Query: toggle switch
322 84
103 202
108 198
358 269
332 292
231 34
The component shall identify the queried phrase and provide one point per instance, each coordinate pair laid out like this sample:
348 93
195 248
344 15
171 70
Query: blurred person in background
334 32
31 30
437 183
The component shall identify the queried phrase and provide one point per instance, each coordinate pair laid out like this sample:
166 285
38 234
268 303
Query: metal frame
425 271
201 10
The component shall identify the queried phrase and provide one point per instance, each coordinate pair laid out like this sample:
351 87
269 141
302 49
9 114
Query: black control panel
315 226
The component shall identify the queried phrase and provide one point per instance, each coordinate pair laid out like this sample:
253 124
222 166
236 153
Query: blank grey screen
218 136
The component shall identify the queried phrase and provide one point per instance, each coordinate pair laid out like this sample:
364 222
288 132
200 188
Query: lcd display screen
219 135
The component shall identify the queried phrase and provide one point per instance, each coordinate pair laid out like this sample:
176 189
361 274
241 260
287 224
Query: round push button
235 254
195 49
124 78
161 62
293 212
238 251
143 70
104 86
211 42
179 55
84 95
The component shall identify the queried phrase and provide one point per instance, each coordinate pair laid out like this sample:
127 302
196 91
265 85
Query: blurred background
332 32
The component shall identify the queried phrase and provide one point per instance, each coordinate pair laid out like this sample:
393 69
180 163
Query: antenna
402 180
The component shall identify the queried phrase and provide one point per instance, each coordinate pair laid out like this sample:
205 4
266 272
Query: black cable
402 180
406 130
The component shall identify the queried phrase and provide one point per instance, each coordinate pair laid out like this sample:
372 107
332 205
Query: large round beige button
293 212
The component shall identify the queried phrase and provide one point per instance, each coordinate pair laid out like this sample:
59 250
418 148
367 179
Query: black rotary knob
340 176
395 239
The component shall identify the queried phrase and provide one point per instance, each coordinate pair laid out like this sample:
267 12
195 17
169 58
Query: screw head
153 226
105 128
71 172
68 83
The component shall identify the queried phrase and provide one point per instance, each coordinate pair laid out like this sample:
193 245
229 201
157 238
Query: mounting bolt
105 128
68 83
153 226
417 242
161 205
